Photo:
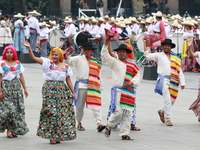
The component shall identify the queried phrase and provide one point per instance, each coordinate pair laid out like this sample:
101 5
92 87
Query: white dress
5 33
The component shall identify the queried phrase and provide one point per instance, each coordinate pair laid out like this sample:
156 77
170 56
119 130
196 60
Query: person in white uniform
166 72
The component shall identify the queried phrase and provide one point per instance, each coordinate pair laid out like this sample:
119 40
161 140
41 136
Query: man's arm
110 50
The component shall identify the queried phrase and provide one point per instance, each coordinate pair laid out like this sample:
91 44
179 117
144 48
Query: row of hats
34 12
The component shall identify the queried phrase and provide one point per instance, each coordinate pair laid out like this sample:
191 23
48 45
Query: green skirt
12 109
57 119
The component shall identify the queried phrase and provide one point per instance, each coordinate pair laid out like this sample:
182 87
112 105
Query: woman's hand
25 93
26 44
1 95
73 96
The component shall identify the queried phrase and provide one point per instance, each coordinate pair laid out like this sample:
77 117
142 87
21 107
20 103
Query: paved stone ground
153 135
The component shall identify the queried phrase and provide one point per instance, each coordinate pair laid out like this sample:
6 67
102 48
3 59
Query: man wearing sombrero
126 77
34 29
170 76
88 85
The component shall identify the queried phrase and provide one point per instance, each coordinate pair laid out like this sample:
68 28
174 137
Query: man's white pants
82 94
121 114
168 102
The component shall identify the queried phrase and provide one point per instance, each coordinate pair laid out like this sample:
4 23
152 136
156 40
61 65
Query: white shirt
164 65
101 31
70 30
53 72
44 33
18 22
94 30
128 29
27 32
135 28
33 23
107 26
87 27
118 69
156 26
150 31
187 35
167 30
82 69
81 26
198 59
10 72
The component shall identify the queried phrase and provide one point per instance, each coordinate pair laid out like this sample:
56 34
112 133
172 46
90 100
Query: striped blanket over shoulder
127 100
93 99
174 78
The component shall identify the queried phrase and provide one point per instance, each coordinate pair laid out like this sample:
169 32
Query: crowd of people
58 118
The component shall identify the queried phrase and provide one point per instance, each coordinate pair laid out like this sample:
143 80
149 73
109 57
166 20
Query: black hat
169 41
88 45
125 47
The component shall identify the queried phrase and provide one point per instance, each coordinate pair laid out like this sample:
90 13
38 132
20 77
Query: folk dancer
57 120
43 39
170 76
34 29
126 77
88 85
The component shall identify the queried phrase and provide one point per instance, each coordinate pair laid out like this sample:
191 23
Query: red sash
41 41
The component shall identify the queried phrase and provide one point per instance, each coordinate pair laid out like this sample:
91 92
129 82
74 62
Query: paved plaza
184 135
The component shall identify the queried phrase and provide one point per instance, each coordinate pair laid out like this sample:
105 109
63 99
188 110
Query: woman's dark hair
159 17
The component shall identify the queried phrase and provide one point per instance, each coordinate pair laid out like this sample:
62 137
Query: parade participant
113 27
135 27
12 116
87 27
101 32
148 26
126 77
87 86
53 24
188 63
71 29
128 28
19 34
34 29
124 34
142 27
57 119
43 39
196 104
107 19
175 27
81 23
158 26
169 77
133 121
5 33
167 27
94 32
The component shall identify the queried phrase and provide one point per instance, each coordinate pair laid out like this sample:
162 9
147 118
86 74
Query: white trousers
166 108
121 114
82 94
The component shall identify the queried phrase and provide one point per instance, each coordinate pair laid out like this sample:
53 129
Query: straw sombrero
101 19
121 24
69 21
188 23
158 14
112 20
94 20
176 24
52 22
34 13
106 17
127 21
19 15
43 24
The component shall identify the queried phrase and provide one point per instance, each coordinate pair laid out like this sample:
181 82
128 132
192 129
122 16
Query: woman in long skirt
19 34
12 110
196 104
57 119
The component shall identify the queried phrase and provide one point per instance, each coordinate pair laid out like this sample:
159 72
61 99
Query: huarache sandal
14 135
126 137
134 128
162 117
80 128
52 142
107 133
169 123
9 134
101 128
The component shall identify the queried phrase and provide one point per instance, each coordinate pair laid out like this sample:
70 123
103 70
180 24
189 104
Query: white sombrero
188 23
19 15
176 24
69 20
52 22
34 13
121 24
158 14
101 19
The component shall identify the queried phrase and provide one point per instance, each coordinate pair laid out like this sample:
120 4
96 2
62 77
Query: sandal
52 142
126 137
9 134
134 128
101 128
14 135
162 117
169 123
107 133
80 128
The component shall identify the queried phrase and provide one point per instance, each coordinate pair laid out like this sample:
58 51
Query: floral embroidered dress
57 119
5 33
12 109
